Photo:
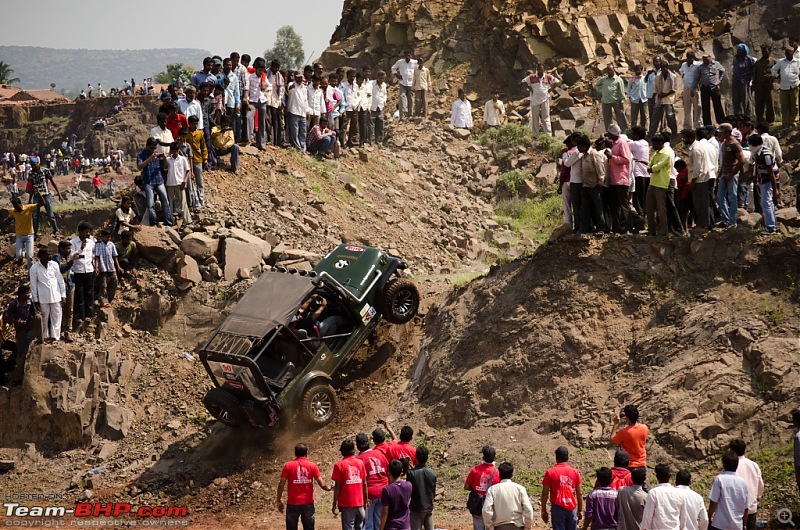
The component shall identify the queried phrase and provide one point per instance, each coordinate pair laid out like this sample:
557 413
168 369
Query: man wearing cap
711 74
690 74
787 71
743 67
762 86
611 88
732 163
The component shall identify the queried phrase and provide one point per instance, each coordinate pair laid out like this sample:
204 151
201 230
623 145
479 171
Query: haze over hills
72 69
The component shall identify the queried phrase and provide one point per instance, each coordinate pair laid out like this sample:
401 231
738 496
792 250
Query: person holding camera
632 438
153 166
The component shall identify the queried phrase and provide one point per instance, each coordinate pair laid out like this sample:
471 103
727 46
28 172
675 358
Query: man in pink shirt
619 172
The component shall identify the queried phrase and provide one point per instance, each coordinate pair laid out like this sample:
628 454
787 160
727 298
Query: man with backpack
478 481
562 485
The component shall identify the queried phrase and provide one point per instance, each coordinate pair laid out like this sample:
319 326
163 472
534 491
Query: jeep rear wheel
400 301
319 405
225 407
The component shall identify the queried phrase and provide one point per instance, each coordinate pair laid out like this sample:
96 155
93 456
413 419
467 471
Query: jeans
25 249
262 124
477 523
592 210
47 202
743 191
236 122
197 169
84 294
234 152
276 125
377 118
353 518
322 146
421 520
373 514
563 519
700 197
150 191
406 100
295 514
297 131
768 206
709 95
726 199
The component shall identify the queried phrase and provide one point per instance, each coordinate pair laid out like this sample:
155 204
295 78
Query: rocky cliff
504 40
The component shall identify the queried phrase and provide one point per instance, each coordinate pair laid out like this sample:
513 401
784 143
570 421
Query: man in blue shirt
152 165
205 75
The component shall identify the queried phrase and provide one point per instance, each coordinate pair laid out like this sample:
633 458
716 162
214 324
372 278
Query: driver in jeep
309 318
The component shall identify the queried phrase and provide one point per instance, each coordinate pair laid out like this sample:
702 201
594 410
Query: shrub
511 181
505 137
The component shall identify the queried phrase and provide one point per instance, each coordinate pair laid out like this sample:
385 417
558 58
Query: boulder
247 237
157 247
240 255
116 421
788 217
461 133
188 270
200 246
575 113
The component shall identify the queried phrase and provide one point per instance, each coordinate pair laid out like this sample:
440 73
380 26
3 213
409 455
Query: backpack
475 500
565 497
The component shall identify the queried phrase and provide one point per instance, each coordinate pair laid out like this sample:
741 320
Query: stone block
200 246
266 248
188 270
240 255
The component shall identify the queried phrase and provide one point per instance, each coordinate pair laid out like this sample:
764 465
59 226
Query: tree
5 75
288 48
173 71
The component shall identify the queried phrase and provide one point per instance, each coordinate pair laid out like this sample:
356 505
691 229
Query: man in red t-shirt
299 474
350 493
479 478
402 449
376 464
562 485
632 438
176 121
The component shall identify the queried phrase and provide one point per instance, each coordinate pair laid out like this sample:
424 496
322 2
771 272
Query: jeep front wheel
400 301
319 405
225 407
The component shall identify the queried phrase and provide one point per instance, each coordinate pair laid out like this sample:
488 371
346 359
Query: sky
120 25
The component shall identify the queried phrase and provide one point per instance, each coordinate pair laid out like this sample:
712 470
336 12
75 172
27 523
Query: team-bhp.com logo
91 514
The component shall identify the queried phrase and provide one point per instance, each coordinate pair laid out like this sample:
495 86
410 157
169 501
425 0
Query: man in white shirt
316 102
378 104
403 70
177 175
751 474
461 112
640 153
575 183
367 132
254 98
539 85
771 142
48 293
690 75
788 70
82 245
697 163
296 109
665 508
275 101
729 497
507 506
162 135
493 111
190 106
696 514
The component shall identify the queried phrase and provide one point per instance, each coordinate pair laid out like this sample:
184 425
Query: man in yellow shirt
23 228
656 201
197 142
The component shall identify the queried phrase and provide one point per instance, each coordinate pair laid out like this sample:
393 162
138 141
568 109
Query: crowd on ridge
388 485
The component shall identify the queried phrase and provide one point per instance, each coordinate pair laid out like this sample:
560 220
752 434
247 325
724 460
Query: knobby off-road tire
400 301
225 407
319 405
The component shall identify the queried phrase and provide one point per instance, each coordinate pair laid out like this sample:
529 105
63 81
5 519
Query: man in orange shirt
632 437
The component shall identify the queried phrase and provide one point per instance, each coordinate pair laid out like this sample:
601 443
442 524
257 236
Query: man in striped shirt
601 503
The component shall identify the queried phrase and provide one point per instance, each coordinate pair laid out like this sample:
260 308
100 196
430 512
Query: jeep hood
272 301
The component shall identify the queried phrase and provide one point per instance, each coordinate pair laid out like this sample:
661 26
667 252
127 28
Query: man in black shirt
423 483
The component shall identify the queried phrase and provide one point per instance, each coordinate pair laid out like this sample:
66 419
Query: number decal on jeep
352 248
341 264
227 368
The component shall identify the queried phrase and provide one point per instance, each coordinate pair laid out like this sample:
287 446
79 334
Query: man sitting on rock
224 142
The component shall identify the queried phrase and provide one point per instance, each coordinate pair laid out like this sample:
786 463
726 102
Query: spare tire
319 405
400 301
225 407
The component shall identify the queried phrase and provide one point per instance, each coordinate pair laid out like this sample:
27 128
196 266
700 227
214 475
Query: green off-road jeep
274 356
